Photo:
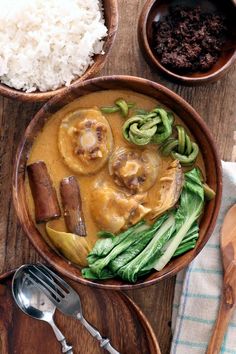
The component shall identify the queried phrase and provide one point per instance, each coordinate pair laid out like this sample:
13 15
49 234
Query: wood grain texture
216 103
226 310
114 314
228 297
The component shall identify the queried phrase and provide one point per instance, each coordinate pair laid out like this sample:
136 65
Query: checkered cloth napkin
198 288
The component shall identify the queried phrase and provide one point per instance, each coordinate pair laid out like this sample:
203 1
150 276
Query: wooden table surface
215 102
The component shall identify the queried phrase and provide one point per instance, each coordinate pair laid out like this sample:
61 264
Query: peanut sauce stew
106 196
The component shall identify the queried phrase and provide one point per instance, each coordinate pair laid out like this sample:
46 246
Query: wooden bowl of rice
24 81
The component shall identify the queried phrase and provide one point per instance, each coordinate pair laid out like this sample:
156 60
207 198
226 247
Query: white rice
45 44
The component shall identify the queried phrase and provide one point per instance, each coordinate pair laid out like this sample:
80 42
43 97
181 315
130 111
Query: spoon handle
104 342
65 348
226 309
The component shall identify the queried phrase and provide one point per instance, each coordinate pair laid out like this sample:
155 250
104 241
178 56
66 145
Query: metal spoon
36 304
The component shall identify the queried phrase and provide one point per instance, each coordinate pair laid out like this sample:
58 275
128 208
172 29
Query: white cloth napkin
198 288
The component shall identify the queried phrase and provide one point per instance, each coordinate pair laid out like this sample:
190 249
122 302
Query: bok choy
127 242
142 247
151 251
191 206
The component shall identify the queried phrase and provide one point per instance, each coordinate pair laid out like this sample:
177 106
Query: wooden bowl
153 10
111 20
176 104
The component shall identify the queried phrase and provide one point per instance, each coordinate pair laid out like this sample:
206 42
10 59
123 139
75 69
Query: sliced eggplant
72 204
44 194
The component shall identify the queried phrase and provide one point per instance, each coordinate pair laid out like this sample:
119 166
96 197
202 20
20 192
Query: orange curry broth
45 148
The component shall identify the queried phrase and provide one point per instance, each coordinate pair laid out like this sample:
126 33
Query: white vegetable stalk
163 229
174 244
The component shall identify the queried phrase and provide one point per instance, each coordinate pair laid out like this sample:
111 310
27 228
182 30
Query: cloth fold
198 288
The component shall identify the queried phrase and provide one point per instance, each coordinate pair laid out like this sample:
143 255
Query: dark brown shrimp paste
188 39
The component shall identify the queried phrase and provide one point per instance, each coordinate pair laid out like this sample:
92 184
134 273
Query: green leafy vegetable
188 242
141 241
192 234
104 246
184 248
144 261
152 127
105 234
127 242
182 148
191 206
89 274
141 248
120 106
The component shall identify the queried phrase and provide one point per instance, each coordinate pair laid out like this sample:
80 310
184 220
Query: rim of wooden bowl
145 322
111 20
152 59
197 127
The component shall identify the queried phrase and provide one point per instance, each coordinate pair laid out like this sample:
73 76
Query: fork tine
46 274
45 285
42 288
59 279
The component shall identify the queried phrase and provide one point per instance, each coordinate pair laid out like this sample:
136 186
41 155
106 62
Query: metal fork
65 298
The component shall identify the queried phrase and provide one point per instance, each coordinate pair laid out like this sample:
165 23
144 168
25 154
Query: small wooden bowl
111 20
153 10
176 104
